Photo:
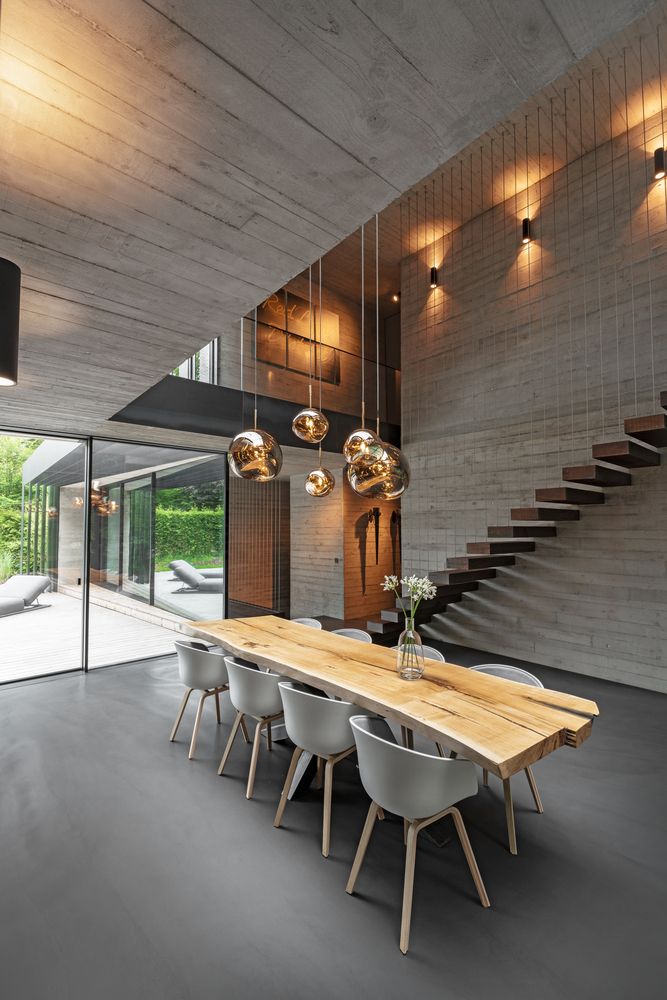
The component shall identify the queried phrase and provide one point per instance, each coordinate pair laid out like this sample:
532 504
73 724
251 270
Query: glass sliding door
151 507
41 555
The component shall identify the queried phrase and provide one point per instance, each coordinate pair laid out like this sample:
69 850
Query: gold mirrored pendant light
383 473
320 482
362 443
310 424
254 454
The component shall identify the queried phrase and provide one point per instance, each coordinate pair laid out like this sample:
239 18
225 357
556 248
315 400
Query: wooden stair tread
499 548
627 453
544 514
522 531
384 628
567 494
425 611
479 561
652 429
461 576
596 475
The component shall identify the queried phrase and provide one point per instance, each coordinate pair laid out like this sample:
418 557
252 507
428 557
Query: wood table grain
501 725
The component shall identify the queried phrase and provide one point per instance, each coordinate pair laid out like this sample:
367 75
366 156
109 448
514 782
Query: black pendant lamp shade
10 295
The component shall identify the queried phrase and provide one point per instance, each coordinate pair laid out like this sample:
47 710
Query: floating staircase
584 486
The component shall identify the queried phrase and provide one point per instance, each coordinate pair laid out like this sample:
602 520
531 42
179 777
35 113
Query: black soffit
180 404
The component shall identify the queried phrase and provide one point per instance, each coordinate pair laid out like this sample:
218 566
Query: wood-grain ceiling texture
167 164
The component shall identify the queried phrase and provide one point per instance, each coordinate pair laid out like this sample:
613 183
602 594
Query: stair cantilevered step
479 561
449 576
446 589
384 628
544 514
425 611
627 453
596 475
522 531
567 494
651 429
498 548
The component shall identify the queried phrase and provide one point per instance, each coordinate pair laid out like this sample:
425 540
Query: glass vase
410 653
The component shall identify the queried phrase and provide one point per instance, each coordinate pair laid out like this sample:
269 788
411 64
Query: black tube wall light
526 234
10 296
434 277
659 163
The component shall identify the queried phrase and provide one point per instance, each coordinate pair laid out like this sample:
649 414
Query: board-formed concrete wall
512 368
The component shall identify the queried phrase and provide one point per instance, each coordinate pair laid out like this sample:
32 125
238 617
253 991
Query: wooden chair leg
363 845
181 710
319 776
195 731
244 730
326 817
534 789
269 742
408 885
286 787
509 813
253 759
238 721
485 776
470 857
380 813
406 824
217 705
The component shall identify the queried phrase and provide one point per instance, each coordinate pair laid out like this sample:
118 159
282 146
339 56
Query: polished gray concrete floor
128 872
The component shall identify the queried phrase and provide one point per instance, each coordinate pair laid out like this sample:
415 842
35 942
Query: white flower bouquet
414 589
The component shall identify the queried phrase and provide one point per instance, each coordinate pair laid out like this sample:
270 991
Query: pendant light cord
242 379
310 335
377 330
255 417
320 277
363 331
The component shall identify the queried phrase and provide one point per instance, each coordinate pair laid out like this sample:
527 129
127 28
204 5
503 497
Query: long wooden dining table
502 725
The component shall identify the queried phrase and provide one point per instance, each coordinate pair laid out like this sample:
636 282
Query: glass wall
156 547
147 507
41 555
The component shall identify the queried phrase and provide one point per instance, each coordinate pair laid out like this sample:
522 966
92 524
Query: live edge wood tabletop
501 725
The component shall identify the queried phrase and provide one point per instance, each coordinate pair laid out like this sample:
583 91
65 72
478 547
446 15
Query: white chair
353 633
510 673
319 727
430 653
310 622
417 786
200 669
255 693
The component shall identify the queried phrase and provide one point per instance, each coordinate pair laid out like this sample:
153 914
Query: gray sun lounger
208 581
21 593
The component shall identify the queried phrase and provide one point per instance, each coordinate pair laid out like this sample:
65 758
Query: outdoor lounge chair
208 581
21 593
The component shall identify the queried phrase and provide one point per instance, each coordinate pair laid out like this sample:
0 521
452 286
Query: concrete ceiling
167 164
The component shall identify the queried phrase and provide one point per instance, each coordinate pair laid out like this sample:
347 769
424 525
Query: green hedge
10 536
195 535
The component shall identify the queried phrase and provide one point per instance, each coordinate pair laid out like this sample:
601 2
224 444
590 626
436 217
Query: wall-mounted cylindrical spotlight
434 277
526 235
659 163
10 296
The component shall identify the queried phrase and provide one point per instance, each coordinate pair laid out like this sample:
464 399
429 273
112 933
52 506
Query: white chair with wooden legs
353 633
320 727
419 787
510 673
310 622
200 669
430 653
253 693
